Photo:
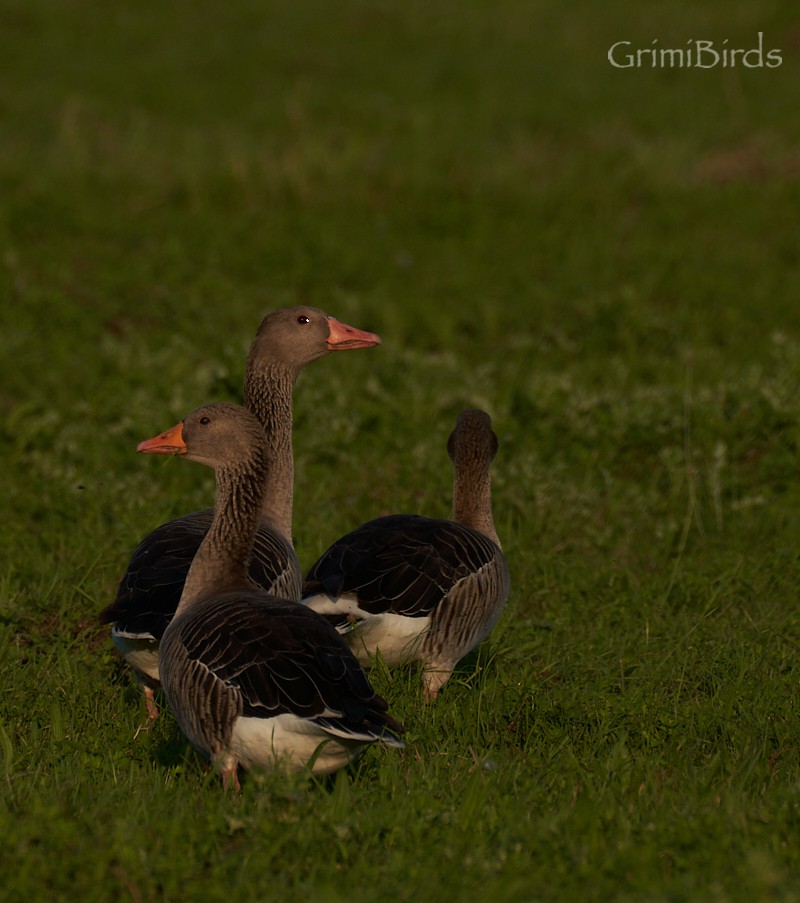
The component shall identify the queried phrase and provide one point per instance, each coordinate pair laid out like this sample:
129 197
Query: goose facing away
253 679
287 340
421 589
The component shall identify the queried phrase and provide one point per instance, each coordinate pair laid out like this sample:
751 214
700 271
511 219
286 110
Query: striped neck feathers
223 559
472 496
268 395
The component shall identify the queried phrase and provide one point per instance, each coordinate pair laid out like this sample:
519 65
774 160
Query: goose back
414 588
150 590
275 683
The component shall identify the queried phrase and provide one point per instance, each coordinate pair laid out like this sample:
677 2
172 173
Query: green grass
605 260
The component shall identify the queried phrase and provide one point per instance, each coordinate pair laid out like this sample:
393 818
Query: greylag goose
253 679
287 340
420 589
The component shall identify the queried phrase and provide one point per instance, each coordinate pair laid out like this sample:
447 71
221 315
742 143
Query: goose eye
303 320
205 420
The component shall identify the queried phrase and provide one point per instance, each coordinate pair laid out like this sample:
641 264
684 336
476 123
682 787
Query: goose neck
223 559
268 395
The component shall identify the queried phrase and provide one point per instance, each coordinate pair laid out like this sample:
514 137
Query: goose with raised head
287 340
253 679
421 589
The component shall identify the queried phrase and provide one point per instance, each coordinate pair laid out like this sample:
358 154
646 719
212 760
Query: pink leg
433 679
151 709
230 779
150 705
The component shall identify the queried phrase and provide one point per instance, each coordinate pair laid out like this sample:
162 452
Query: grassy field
606 260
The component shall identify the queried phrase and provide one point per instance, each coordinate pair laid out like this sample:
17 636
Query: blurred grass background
606 260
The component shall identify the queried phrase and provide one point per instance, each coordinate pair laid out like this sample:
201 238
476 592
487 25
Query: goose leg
434 677
228 767
151 709
150 706
230 779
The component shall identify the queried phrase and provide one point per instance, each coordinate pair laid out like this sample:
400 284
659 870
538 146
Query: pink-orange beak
167 443
343 337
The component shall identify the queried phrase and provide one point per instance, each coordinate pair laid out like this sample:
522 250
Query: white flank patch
141 654
293 741
397 638
343 605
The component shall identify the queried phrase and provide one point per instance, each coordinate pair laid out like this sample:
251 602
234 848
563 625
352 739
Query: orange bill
343 337
167 443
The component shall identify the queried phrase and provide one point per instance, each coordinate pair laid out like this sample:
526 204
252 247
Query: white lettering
774 58
701 48
644 52
698 54
668 57
613 61
759 54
